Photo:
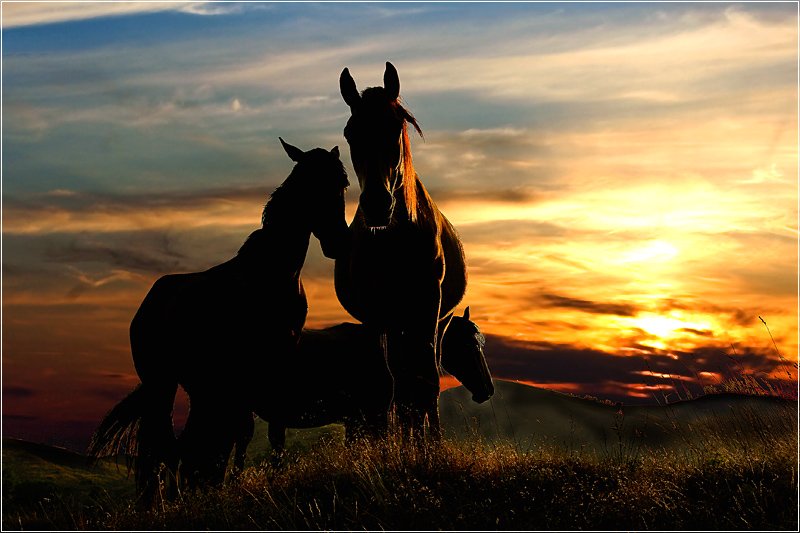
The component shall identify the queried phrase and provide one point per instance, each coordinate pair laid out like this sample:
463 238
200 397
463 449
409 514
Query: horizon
623 177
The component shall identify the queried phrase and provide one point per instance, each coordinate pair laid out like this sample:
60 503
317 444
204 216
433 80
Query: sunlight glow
653 251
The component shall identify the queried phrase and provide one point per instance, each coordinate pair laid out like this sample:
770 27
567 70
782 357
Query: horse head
462 356
324 185
379 148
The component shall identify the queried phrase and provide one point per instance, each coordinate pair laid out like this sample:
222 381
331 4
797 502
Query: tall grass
470 485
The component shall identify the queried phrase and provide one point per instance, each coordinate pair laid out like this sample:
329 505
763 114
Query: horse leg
244 434
206 443
376 424
433 399
156 441
417 373
196 456
416 384
277 439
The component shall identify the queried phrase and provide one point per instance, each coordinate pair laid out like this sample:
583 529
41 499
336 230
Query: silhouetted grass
468 485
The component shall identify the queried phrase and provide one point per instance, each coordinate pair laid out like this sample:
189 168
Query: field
530 459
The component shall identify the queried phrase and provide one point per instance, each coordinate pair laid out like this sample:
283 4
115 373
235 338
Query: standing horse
341 376
405 270
225 334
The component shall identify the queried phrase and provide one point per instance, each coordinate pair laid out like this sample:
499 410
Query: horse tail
140 427
117 433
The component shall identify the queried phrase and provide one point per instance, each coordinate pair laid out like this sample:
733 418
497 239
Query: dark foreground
461 486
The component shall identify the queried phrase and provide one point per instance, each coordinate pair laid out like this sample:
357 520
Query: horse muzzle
377 209
334 243
484 395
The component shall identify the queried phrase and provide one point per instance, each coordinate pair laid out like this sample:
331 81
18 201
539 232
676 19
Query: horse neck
282 241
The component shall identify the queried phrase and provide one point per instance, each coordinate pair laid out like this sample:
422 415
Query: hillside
531 417
34 473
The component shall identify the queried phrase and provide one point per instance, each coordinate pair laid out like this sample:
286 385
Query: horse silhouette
226 334
405 270
341 376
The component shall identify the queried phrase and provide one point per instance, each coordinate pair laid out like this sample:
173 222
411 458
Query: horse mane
275 202
409 174
272 208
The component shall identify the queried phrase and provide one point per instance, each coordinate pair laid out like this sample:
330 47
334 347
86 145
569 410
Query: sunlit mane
409 174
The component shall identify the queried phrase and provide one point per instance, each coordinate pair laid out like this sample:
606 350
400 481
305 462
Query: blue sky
623 175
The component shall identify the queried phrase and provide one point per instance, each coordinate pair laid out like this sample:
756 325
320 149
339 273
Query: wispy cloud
32 14
64 211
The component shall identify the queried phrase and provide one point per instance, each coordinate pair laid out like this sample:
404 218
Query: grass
472 485
46 487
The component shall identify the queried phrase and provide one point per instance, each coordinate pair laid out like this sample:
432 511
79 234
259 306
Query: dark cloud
19 418
500 195
121 203
699 332
11 391
603 308
615 375
110 393
156 256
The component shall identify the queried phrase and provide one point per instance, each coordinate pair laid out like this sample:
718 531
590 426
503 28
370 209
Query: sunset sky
623 177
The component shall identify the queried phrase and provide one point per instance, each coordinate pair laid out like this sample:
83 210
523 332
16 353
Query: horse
404 271
221 332
341 376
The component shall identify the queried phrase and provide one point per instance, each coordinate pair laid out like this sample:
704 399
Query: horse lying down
345 379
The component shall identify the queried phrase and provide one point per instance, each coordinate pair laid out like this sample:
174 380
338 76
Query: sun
656 251
660 326
667 329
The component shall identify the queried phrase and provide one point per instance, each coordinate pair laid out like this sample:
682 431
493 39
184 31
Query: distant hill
36 472
530 417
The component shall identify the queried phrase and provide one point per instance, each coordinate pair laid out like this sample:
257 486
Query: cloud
605 308
615 376
19 418
12 391
111 394
698 332
29 14
670 64
211 8
72 211
151 254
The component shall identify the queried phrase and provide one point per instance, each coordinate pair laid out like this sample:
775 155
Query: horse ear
335 151
294 153
466 313
391 82
347 86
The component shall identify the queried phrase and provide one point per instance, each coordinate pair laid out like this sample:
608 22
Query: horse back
340 373
187 323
